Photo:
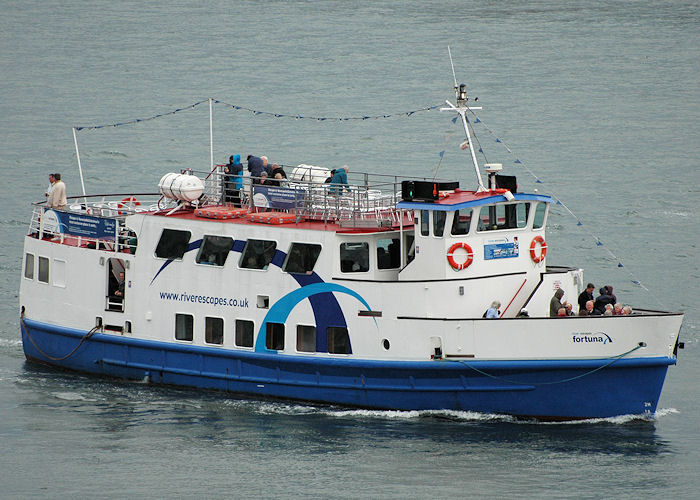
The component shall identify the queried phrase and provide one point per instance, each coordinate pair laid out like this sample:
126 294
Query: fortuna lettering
587 337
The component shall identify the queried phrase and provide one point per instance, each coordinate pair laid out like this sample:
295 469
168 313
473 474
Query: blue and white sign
501 250
79 225
277 197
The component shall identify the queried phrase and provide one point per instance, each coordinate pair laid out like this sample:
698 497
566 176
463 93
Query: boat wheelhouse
368 295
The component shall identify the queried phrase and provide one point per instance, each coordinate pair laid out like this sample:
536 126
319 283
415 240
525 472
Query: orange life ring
453 262
129 200
543 249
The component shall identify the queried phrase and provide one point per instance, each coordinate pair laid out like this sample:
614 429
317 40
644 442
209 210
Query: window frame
184 250
190 328
33 266
245 256
213 319
236 336
290 252
202 249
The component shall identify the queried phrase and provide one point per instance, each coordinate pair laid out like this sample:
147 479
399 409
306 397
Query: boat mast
461 108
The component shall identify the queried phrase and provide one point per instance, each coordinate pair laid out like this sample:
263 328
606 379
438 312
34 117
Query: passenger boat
369 295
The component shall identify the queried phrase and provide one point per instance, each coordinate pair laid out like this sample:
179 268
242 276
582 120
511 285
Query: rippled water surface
599 101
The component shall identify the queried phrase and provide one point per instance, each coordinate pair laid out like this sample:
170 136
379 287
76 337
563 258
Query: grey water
597 103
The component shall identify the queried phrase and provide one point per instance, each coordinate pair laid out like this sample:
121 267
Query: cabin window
29 266
213 330
338 340
257 254
354 257
424 222
274 336
461 221
214 250
58 276
502 216
44 269
301 258
172 244
184 327
306 338
540 212
244 333
439 222
388 253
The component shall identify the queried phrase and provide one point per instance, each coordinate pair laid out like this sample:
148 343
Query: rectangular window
44 269
424 222
354 257
184 327
540 212
29 266
388 253
213 330
301 258
439 222
172 244
502 216
306 338
214 250
244 333
274 338
338 340
461 221
257 254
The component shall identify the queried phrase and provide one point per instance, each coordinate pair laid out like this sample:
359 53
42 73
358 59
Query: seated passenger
493 311
617 309
627 310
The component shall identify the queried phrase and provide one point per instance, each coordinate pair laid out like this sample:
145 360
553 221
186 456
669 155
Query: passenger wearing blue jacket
234 180
339 181
256 168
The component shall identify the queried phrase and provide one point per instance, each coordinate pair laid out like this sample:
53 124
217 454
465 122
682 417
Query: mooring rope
85 337
496 377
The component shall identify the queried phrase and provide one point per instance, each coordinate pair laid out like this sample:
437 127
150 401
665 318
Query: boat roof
452 201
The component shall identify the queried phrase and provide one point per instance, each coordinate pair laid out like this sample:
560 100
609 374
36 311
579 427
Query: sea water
596 103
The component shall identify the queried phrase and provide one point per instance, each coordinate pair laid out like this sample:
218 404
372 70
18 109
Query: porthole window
385 344
172 244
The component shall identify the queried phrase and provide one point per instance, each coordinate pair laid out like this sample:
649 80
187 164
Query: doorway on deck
116 285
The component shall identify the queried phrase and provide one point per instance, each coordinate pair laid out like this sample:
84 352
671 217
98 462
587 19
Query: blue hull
543 389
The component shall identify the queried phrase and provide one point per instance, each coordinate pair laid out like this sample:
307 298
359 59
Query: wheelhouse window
424 222
184 327
461 221
338 340
274 336
439 222
172 244
29 266
301 258
540 212
354 257
244 333
306 338
502 216
44 269
214 250
213 330
258 254
388 253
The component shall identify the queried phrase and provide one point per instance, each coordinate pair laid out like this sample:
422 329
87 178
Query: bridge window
274 338
461 221
172 244
213 330
257 254
306 338
301 258
439 222
338 340
502 216
44 269
184 327
540 212
244 333
354 257
388 253
29 266
214 250
424 222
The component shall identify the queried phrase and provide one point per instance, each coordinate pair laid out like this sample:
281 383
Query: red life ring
543 249
453 262
128 202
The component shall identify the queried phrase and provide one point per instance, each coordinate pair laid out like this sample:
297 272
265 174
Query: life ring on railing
543 249
128 202
453 262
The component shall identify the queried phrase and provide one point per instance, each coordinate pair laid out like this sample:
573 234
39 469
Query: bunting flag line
139 120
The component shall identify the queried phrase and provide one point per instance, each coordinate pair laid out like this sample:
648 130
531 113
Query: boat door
116 285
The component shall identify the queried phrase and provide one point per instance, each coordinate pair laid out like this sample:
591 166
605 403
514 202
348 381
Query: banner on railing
281 198
86 226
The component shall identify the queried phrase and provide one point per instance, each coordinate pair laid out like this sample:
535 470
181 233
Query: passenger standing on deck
52 179
339 181
266 166
57 196
585 296
555 304
256 168
234 171
603 300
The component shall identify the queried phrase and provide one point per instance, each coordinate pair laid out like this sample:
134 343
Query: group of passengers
56 193
605 304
